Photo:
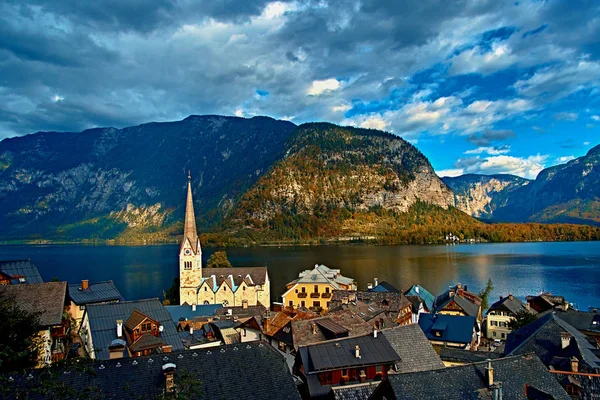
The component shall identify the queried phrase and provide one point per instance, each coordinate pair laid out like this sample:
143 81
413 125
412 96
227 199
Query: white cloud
57 98
449 172
476 60
566 116
318 87
374 123
341 108
596 117
586 143
527 167
493 151
564 159
239 112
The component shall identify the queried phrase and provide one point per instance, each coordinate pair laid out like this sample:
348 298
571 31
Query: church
231 287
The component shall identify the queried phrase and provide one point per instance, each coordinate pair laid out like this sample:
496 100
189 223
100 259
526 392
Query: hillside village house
14 272
457 300
84 293
314 288
376 307
450 330
501 313
248 286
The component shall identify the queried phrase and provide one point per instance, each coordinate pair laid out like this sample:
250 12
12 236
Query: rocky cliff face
480 195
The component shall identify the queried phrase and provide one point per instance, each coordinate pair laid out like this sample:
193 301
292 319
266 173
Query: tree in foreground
521 319
485 295
19 340
218 260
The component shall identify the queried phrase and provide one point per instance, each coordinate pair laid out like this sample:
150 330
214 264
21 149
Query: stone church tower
190 254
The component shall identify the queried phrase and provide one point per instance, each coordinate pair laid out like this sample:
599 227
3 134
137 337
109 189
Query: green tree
172 294
485 294
218 260
19 340
522 318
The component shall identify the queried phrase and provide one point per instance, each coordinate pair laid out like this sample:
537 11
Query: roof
354 392
469 307
21 269
329 325
47 299
95 293
510 303
455 328
415 351
242 312
303 333
543 337
388 301
182 313
452 354
340 353
323 274
423 294
215 373
258 275
469 381
135 318
102 319
145 342
581 320
384 286
190 234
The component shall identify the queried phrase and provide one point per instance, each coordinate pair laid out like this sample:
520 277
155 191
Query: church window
205 289
224 288
244 288
206 302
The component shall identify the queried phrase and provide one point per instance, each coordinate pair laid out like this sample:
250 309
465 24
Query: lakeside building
427 299
48 300
83 294
314 288
14 272
252 371
227 286
501 313
381 309
450 330
546 301
457 300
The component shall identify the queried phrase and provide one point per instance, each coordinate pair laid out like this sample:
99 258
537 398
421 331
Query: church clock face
187 252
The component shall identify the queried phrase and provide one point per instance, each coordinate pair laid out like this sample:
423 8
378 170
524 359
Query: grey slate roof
46 298
103 317
385 286
182 313
415 351
21 269
241 371
470 308
453 354
354 392
581 320
469 381
543 337
510 303
97 292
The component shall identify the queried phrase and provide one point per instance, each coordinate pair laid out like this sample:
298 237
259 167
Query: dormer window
146 327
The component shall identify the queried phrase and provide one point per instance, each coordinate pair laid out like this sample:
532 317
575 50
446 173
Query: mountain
102 183
481 195
566 193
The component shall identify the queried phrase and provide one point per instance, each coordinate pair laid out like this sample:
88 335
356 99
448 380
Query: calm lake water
569 269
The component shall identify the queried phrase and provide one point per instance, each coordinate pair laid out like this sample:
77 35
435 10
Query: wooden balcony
326 295
315 295
302 295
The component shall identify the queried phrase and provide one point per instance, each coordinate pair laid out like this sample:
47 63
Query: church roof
257 275
189 226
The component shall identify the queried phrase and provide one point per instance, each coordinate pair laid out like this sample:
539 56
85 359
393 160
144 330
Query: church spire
189 227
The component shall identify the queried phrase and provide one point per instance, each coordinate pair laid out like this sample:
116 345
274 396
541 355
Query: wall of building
497 325
295 295
189 279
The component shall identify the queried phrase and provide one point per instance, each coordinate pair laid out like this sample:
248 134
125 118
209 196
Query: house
376 317
14 272
252 371
382 286
84 293
193 316
313 288
452 356
323 366
418 307
227 286
395 306
457 300
569 354
415 351
450 330
546 301
128 329
426 297
501 313
518 377
48 299
586 322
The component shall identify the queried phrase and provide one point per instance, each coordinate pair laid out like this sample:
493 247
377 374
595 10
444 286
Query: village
327 338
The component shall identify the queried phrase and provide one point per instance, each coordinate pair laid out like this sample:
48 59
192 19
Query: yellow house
501 313
313 288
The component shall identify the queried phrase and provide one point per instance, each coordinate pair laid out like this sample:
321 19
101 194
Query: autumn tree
218 260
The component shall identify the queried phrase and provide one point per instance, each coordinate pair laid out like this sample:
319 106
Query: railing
326 295
302 295
315 295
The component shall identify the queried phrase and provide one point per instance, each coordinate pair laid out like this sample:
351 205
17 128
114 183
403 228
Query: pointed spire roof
189 227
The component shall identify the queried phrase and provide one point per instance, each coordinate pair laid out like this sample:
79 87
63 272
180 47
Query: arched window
206 302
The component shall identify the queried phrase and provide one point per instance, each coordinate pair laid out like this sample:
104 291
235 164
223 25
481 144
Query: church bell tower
190 254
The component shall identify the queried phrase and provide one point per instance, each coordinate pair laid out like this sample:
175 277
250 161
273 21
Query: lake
570 269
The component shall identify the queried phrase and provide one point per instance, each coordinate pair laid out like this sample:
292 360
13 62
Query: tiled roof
47 298
581 320
135 318
258 274
384 286
423 294
97 292
388 301
323 274
354 392
469 381
329 325
543 337
303 333
469 307
455 328
145 342
21 269
452 354
182 313
510 303
250 371
340 353
241 312
103 317
415 351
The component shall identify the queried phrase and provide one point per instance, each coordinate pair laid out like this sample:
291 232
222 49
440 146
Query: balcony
302 295
326 295
315 295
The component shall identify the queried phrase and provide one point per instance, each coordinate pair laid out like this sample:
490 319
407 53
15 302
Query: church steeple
189 227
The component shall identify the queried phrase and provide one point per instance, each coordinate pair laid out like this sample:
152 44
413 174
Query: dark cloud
487 137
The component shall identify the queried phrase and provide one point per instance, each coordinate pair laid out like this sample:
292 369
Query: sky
478 86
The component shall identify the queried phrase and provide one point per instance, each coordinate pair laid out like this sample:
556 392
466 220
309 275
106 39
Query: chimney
363 376
574 364
510 296
500 298
375 283
119 328
357 351
167 348
314 328
565 339
375 333
565 306
193 306
85 284
489 374
191 330
266 324
528 306
169 371
369 286
497 391
229 312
